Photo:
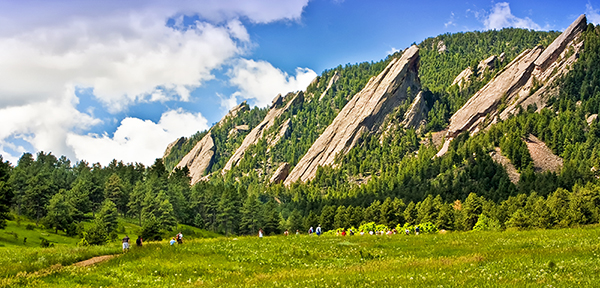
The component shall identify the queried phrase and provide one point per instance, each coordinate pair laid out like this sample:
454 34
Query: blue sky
103 80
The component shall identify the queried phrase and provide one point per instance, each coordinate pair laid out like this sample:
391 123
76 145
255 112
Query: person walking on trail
125 244
417 230
172 241
179 238
138 241
310 231
260 233
319 230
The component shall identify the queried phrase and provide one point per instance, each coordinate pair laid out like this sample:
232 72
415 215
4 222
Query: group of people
343 232
125 242
178 238
139 241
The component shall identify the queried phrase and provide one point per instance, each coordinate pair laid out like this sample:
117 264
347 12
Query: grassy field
539 258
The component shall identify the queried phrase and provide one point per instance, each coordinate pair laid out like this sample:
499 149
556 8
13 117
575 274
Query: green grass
557 258
14 233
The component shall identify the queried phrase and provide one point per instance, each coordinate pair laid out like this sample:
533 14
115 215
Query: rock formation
235 111
256 134
417 113
484 65
281 173
199 159
177 143
364 112
284 131
334 78
514 86
238 129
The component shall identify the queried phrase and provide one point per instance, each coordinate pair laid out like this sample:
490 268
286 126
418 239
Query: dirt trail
94 260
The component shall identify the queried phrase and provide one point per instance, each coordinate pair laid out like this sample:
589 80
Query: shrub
486 224
151 230
29 226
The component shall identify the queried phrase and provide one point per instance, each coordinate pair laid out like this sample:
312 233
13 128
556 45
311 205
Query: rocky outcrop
441 47
483 66
590 119
237 129
334 78
175 144
524 81
543 158
364 112
235 111
277 109
199 159
281 173
416 115
284 131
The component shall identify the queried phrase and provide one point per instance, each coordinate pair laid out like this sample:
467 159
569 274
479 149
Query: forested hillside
390 177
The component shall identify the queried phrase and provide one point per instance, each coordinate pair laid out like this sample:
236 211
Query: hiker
125 244
310 231
297 232
286 233
319 230
407 231
362 232
180 238
138 241
260 233
417 230
343 232
351 232
172 241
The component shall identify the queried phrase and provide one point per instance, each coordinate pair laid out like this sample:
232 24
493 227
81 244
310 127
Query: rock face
235 111
281 173
364 112
515 86
276 110
484 65
238 129
199 159
334 78
177 143
417 113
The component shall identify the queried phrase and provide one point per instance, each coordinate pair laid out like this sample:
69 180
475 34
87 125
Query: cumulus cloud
501 17
43 124
260 81
137 140
124 53
593 15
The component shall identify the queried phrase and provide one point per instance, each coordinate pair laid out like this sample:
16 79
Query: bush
96 235
151 230
428 227
45 243
485 223
30 227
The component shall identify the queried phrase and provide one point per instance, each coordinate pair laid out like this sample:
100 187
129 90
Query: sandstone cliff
364 112
518 85
199 159
416 115
276 110
281 173
175 144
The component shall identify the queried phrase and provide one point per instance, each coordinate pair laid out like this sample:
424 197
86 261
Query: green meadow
535 258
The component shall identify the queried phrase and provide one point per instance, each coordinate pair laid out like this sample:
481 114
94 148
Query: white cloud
392 51
260 81
592 15
137 140
451 20
43 124
121 51
501 17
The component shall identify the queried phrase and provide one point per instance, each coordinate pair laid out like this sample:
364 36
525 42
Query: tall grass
557 258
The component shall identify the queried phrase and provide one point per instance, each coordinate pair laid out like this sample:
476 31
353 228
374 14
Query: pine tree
165 214
228 211
136 201
327 218
108 216
250 219
340 220
471 210
59 214
272 218
410 213
113 190
6 193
